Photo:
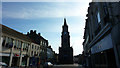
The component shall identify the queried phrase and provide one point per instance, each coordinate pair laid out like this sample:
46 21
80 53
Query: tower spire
65 21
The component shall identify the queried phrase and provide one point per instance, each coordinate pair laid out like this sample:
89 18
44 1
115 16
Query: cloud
53 10
45 0
76 28
0 12
76 43
46 11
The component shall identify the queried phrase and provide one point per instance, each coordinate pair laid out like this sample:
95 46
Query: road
68 66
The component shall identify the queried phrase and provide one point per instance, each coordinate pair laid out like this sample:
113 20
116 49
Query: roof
14 33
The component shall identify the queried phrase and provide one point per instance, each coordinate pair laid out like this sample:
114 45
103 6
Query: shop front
34 61
102 54
5 57
16 60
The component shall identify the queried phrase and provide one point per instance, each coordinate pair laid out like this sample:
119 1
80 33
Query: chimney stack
38 34
35 31
31 31
27 33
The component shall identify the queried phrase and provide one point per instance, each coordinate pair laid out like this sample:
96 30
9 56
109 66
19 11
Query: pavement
68 66
55 66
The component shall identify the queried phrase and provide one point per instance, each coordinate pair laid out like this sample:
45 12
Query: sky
47 18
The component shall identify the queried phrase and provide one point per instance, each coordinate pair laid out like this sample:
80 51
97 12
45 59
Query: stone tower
65 51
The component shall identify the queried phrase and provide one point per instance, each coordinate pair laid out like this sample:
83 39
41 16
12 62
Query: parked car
3 65
47 65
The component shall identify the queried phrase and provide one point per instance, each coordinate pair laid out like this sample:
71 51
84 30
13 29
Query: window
41 42
38 48
35 46
32 53
26 46
23 46
10 42
87 39
43 50
2 38
98 17
105 8
3 41
32 46
17 45
6 39
45 44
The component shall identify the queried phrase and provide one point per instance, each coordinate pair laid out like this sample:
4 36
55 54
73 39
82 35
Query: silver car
3 65
47 65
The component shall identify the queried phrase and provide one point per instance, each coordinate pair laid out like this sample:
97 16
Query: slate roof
14 33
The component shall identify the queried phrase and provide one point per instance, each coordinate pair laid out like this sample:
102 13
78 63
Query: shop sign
4 54
17 55
104 44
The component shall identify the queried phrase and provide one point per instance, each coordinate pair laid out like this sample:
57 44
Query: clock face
65 33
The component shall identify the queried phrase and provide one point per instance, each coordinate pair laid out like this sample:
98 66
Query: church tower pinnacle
65 21
65 26
65 38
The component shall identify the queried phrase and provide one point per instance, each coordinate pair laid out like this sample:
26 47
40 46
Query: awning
104 44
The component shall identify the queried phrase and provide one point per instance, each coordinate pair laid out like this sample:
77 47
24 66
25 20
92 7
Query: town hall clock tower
65 51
